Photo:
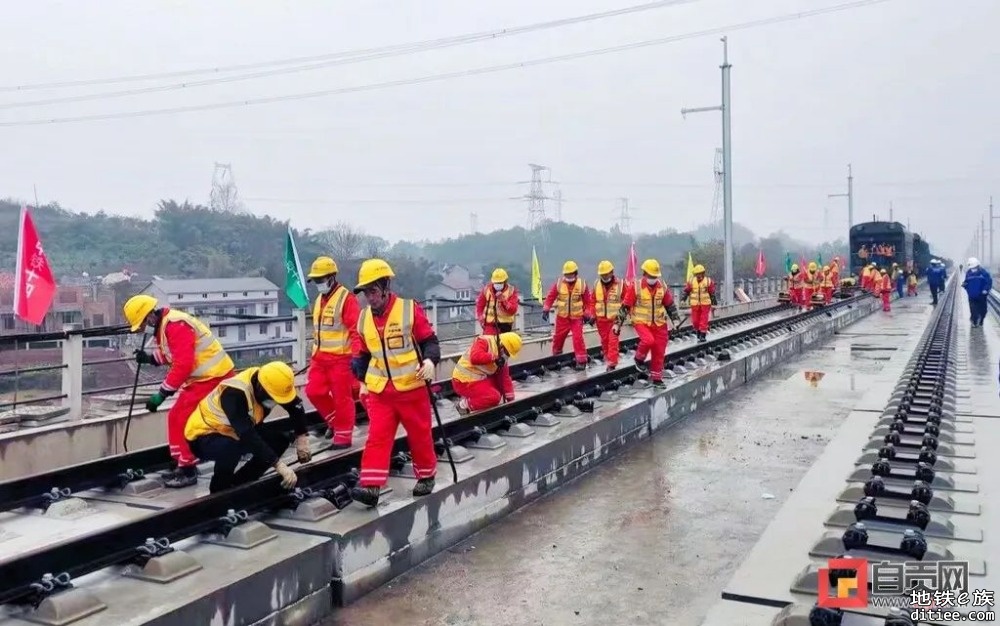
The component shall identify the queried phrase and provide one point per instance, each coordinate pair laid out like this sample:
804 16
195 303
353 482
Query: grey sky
902 89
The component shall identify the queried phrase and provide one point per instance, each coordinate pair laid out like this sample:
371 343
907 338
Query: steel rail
40 490
328 478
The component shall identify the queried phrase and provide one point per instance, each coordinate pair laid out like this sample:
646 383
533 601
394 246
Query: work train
885 243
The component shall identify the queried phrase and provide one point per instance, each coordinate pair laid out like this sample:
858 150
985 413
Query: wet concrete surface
651 536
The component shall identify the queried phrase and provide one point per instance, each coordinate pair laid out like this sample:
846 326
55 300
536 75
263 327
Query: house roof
203 285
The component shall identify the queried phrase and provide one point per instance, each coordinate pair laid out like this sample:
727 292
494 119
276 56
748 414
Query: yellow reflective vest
209 417
210 358
569 303
607 310
495 313
649 309
329 332
467 372
699 291
394 352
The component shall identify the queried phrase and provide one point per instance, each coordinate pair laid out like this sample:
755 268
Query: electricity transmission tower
717 196
475 222
624 217
536 198
557 196
224 196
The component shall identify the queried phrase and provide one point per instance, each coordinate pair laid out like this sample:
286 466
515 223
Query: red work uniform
496 310
700 294
573 301
330 385
198 363
827 286
648 306
795 287
607 302
478 379
885 288
911 283
396 395
835 276
809 283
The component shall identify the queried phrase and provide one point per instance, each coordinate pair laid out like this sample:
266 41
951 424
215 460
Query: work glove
508 397
288 477
500 362
144 358
616 329
588 320
359 366
362 391
154 402
545 316
714 301
302 451
426 370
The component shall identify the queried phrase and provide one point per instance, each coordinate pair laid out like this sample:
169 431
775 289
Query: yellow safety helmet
795 267
511 342
605 267
137 308
371 271
570 267
826 268
651 267
699 269
812 266
499 275
882 270
322 266
278 381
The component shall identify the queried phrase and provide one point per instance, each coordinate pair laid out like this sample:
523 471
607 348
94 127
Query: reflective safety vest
329 332
570 301
827 280
209 417
608 309
467 372
912 280
210 358
649 309
884 283
394 352
494 311
812 279
795 280
699 291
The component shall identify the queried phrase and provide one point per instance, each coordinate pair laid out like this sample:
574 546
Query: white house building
457 284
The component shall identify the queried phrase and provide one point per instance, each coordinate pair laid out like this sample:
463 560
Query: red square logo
841 597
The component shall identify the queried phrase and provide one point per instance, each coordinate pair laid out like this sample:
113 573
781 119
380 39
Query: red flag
34 286
632 263
761 264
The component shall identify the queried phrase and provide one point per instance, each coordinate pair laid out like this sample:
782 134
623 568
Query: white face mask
498 286
268 404
324 288
569 279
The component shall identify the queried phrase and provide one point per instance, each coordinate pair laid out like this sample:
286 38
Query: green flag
819 259
788 262
295 285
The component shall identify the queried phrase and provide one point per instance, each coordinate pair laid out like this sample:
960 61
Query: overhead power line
446 75
318 61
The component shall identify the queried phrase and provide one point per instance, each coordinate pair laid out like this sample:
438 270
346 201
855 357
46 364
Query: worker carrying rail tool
224 426
574 307
496 306
331 385
937 276
481 377
398 356
885 289
649 302
198 363
607 302
700 294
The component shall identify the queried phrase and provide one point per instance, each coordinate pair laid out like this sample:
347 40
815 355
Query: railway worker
574 307
809 283
700 294
330 384
835 270
198 363
885 289
496 306
224 426
977 285
607 302
826 284
795 277
481 377
396 363
911 283
898 277
937 276
649 302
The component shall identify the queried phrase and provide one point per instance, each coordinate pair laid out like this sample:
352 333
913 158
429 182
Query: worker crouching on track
700 293
885 289
198 363
330 385
574 305
496 306
397 360
607 302
649 302
224 426
481 377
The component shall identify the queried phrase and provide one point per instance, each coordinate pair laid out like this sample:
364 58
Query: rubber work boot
659 384
367 496
183 477
341 446
612 368
579 366
701 338
641 366
424 487
462 406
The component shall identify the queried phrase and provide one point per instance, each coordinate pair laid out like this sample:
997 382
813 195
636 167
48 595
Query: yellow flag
690 269
536 277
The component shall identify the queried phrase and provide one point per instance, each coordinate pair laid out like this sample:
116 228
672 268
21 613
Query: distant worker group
812 287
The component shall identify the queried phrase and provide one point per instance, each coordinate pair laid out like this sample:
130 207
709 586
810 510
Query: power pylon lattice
224 196
624 217
536 197
474 217
717 196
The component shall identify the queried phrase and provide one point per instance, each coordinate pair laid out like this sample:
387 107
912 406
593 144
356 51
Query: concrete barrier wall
30 451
